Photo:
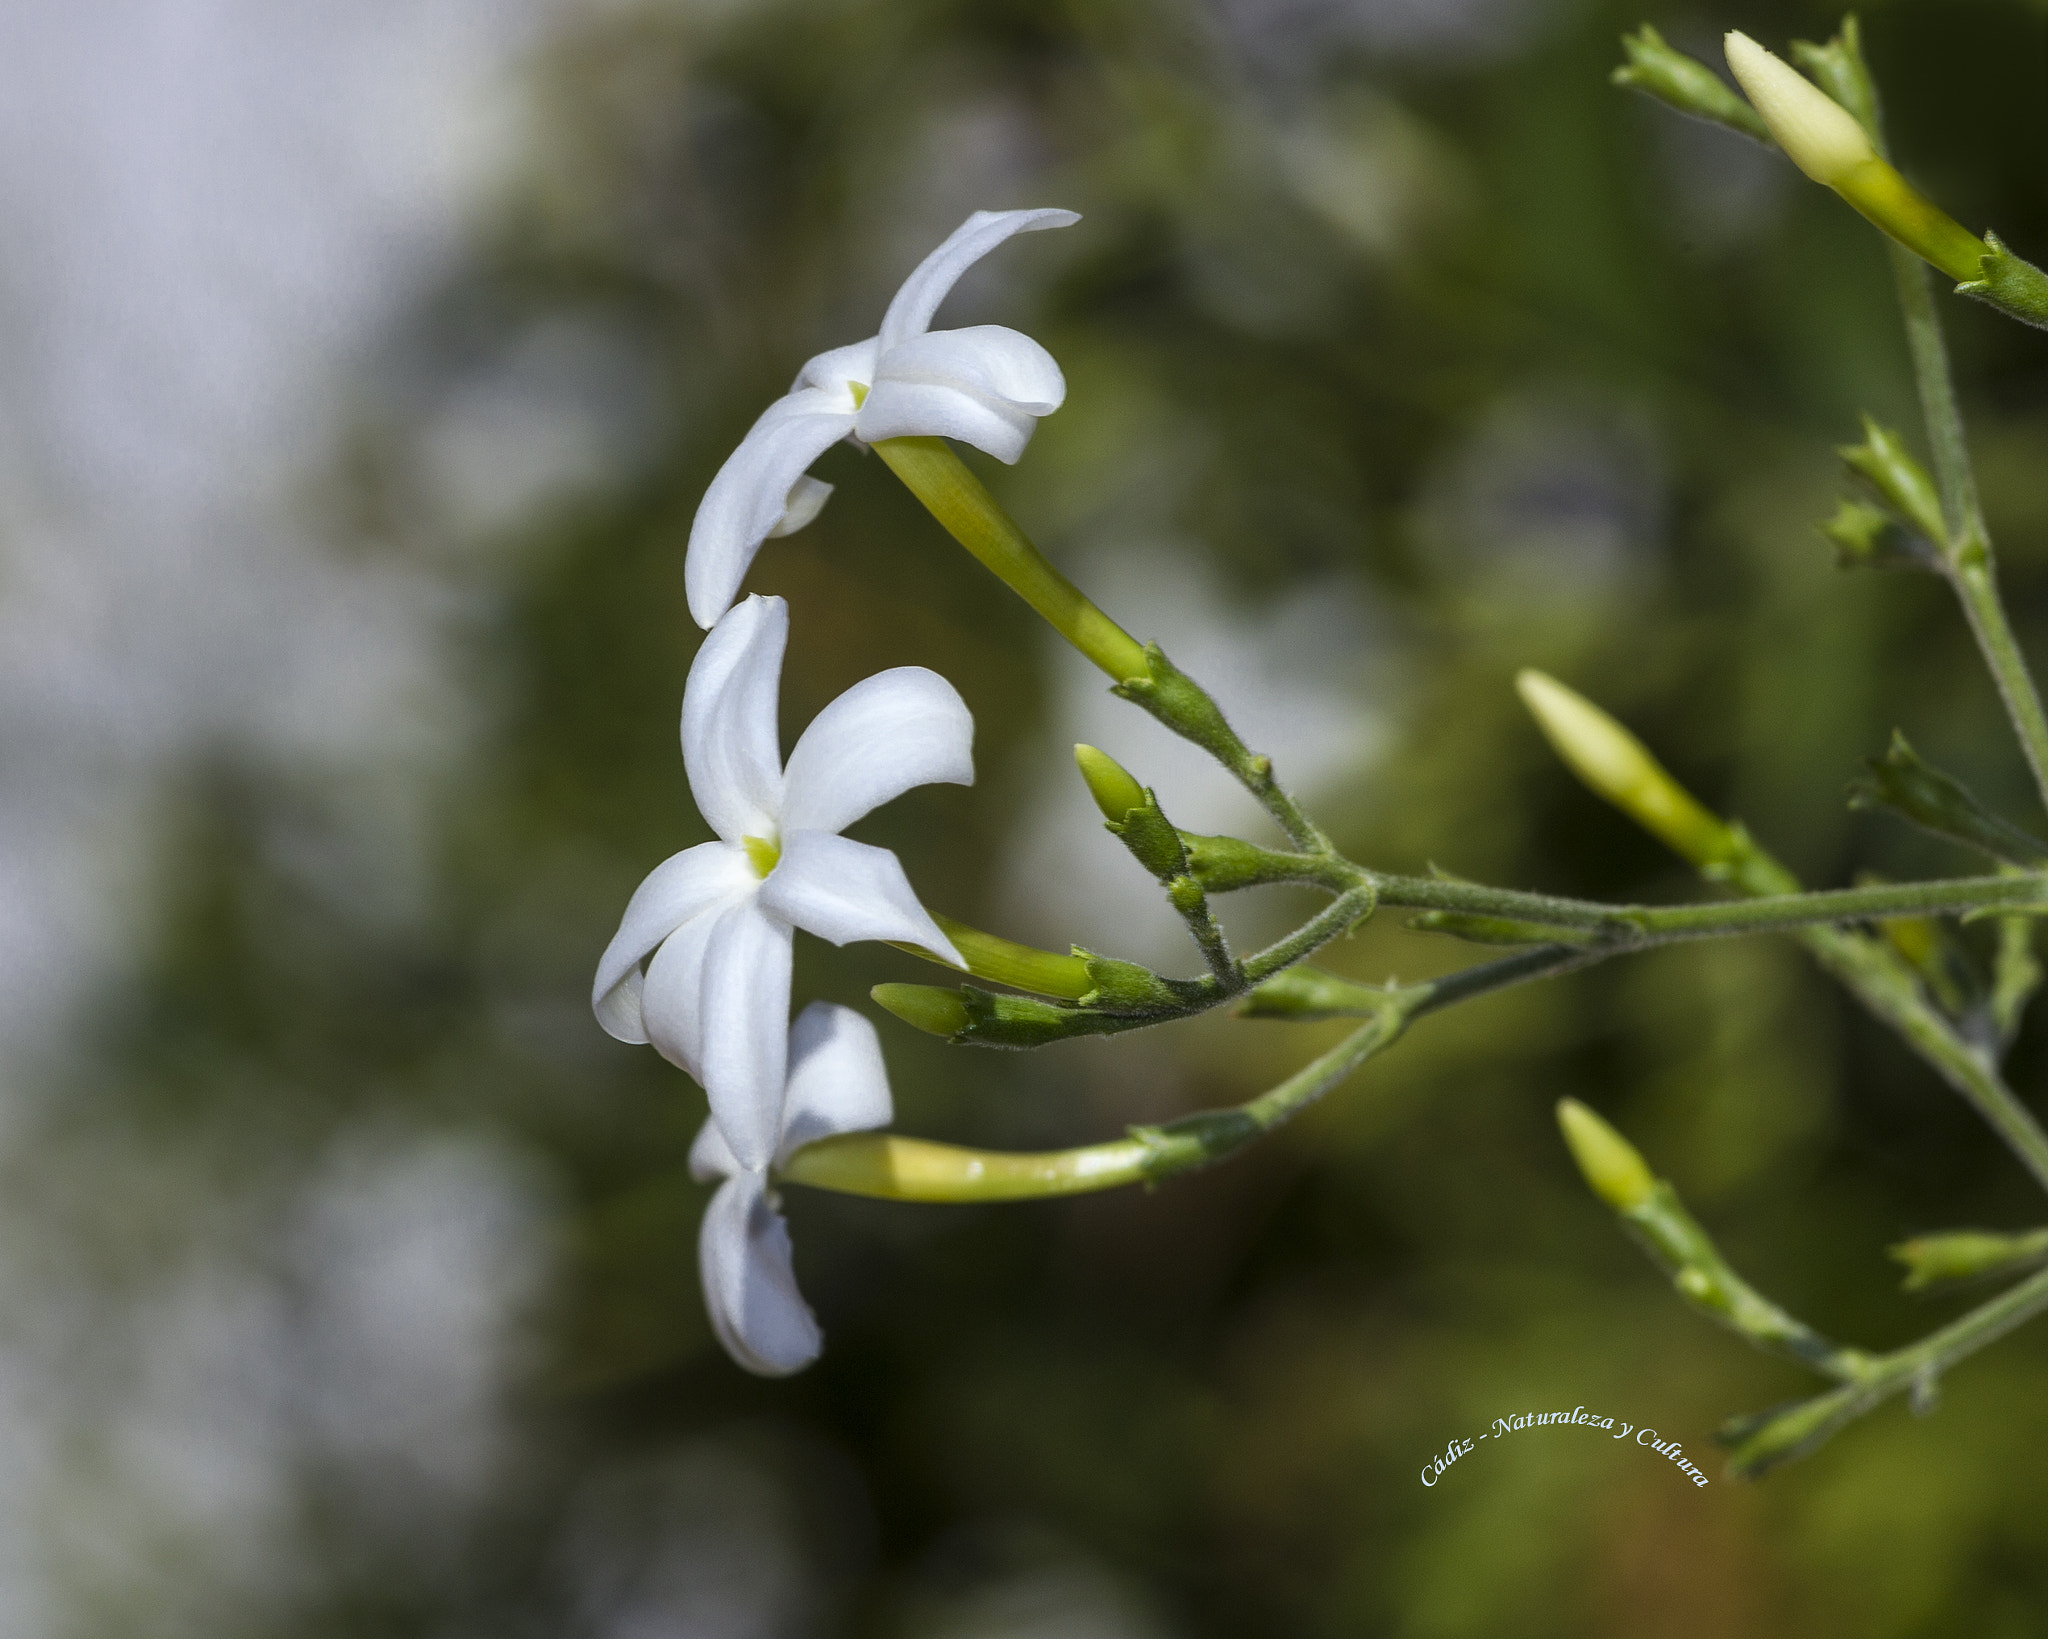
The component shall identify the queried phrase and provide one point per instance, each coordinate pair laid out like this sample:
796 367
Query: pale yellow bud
1818 134
1609 1162
1620 768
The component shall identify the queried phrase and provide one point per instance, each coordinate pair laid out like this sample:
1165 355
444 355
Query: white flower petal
743 1254
837 370
837 1080
752 494
731 751
988 359
711 1156
807 498
928 409
745 1051
672 998
901 728
844 890
914 304
681 887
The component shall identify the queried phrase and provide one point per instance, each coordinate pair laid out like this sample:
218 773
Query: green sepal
1906 783
1960 1255
1304 992
2009 283
1225 864
1126 987
1195 1140
997 1020
1152 839
1686 84
1184 706
1496 930
1764 1439
1868 537
1883 461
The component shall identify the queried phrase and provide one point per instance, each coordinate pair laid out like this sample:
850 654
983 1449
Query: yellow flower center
859 389
761 853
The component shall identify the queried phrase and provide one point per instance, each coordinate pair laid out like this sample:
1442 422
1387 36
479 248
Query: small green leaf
1685 83
1907 784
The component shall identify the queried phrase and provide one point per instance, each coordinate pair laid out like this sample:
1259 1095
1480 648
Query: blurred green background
349 1278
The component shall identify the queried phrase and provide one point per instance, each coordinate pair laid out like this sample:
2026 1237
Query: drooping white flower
985 385
716 920
837 1084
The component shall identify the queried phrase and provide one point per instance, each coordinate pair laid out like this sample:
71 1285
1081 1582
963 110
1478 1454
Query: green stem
1967 561
1888 987
887 1166
962 503
1643 925
1777 1437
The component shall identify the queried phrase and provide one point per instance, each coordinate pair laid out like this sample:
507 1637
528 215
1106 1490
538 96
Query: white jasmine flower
985 385
837 1084
716 920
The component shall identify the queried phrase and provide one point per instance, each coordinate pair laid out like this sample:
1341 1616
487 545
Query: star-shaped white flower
985 385
717 919
837 1084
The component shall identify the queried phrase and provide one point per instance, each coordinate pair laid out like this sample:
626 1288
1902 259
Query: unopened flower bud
1612 1167
929 1008
1818 134
1968 1254
1620 768
1830 145
1115 792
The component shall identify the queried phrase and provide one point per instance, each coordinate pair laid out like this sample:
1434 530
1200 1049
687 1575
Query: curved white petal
752 494
931 409
844 890
711 1156
914 304
837 1080
745 1052
672 996
743 1254
900 728
681 887
835 371
807 498
731 751
988 359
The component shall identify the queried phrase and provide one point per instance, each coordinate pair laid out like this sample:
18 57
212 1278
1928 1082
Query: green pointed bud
1114 791
961 502
1868 537
2014 286
1765 1440
935 1011
1828 143
1618 767
1883 461
1686 83
1968 1254
1610 1163
1905 782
